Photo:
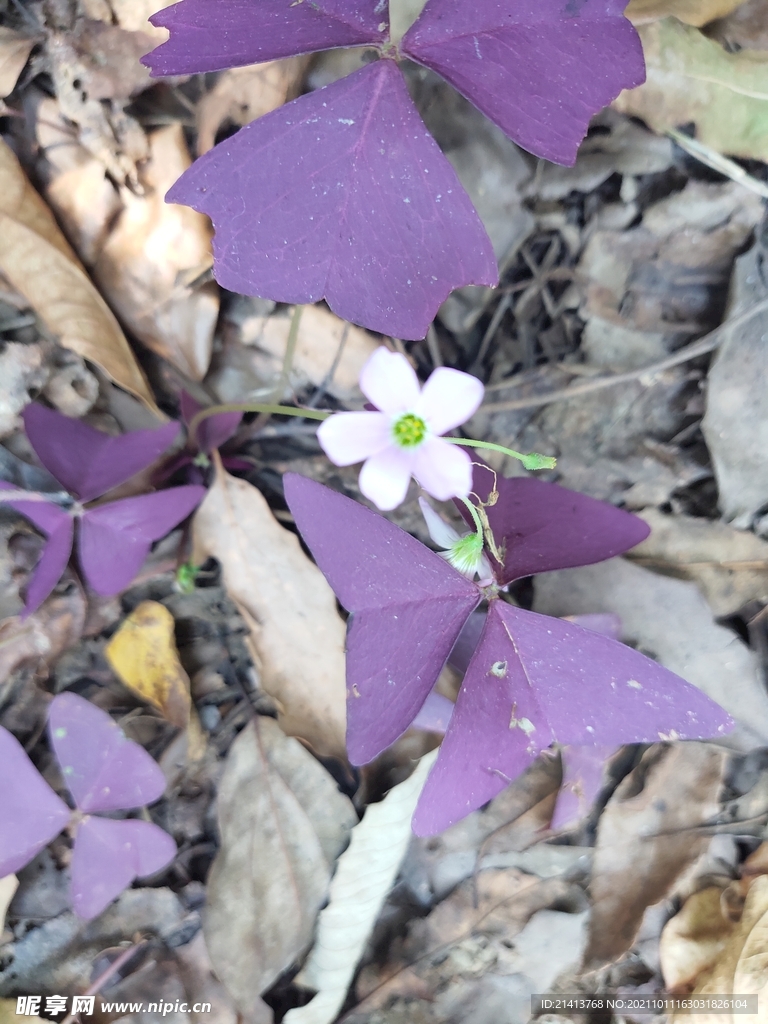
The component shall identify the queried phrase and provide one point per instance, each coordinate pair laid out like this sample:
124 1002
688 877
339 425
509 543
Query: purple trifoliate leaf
30 812
211 432
86 461
109 855
541 526
583 778
468 639
58 527
210 35
343 195
540 69
435 714
408 606
600 622
535 680
114 539
102 768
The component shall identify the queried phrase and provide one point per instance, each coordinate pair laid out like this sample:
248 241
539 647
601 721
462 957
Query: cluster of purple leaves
343 194
210 434
113 538
530 680
104 772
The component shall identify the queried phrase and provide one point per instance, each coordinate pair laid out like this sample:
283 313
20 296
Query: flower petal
449 398
442 469
442 533
385 477
350 437
390 382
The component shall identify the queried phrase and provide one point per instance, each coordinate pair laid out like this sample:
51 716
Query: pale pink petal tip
389 382
442 533
443 470
384 478
450 398
350 437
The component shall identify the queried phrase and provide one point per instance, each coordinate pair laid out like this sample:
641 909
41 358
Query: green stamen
409 431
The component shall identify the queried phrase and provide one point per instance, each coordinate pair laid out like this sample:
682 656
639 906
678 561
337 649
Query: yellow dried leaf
693 80
143 655
39 263
693 939
693 12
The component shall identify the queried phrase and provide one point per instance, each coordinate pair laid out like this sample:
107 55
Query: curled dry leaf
646 838
693 12
39 263
240 95
365 874
742 966
692 79
14 52
296 634
143 655
42 637
152 250
282 823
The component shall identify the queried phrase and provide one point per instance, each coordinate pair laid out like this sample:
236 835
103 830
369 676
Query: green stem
531 461
273 410
475 517
290 351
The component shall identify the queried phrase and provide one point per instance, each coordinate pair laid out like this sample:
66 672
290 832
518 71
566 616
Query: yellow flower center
409 431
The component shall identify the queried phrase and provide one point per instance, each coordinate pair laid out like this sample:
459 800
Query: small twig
697 348
433 344
718 162
104 977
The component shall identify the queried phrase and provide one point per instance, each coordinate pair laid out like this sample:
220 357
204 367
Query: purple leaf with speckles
342 195
116 538
540 69
583 778
535 680
408 606
435 714
109 855
210 35
541 526
211 432
103 769
89 462
30 812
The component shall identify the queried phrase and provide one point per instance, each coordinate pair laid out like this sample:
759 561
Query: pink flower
402 439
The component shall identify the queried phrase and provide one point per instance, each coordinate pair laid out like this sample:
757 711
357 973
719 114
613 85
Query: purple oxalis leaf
408 606
535 680
115 538
543 526
58 526
210 35
102 768
30 812
435 714
343 195
213 431
540 69
86 461
583 778
109 855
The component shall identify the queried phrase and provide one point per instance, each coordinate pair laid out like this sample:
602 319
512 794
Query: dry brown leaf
39 263
730 566
143 655
693 12
8 887
242 94
646 838
329 352
296 635
742 966
693 939
8 1013
152 247
39 639
745 29
282 822
692 79
14 53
